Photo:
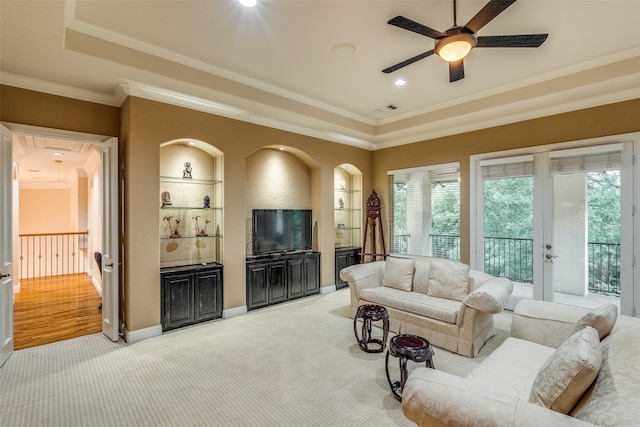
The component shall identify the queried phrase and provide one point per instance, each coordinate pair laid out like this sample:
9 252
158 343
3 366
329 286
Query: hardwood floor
51 309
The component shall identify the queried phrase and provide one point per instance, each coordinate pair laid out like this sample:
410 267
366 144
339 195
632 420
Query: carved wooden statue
373 222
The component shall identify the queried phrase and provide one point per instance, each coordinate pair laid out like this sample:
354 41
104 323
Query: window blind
587 163
507 170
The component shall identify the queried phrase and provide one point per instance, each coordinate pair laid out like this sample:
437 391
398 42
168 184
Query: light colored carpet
294 364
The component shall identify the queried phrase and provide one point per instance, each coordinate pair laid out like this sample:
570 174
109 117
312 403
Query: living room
144 120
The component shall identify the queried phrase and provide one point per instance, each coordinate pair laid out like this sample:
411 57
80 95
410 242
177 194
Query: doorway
558 223
57 293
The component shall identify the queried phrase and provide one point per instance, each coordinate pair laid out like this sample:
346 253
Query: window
425 211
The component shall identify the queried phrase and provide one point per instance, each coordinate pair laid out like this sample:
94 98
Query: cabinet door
257 285
311 274
342 261
277 282
178 300
295 271
208 295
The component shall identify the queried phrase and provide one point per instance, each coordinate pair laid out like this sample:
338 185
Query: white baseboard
232 312
327 289
142 334
96 285
17 287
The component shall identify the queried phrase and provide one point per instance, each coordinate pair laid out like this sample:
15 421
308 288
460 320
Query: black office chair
98 257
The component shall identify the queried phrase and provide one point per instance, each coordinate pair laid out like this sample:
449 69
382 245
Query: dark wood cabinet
344 258
275 279
190 294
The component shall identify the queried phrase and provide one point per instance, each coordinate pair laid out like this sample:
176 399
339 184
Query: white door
110 245
559 224
6 253
587 257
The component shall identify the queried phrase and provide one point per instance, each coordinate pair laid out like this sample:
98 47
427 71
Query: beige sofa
561 366
442 301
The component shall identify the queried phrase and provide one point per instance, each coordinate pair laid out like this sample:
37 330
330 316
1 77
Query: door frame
111 286
630 223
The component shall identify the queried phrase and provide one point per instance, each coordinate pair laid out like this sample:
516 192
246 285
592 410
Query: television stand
284 277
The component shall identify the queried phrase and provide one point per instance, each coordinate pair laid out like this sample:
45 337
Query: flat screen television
281 230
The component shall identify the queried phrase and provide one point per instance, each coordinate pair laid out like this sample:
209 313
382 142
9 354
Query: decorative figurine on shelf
343 185
207 202
173 234
200 231
341 203
186 173
166 199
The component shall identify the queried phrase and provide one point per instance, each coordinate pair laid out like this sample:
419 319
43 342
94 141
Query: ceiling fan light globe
456 47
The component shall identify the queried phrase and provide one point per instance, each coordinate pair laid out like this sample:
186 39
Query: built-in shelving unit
191 232
347 216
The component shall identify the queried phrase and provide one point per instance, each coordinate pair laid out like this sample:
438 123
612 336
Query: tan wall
612 119
50 111
46 211
153 124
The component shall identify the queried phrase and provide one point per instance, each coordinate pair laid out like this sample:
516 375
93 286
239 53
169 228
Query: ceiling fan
455 43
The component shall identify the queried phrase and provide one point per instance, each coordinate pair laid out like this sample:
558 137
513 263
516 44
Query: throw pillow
448 280
603 319
398 273
568 372
421 276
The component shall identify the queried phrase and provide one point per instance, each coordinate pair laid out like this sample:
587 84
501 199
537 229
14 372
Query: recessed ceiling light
248 3
57 153
343 49
400 82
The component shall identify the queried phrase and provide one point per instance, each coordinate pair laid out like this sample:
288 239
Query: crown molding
50 88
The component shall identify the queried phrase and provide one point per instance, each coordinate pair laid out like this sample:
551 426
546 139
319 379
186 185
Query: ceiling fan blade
487 13
408 62
522 40
408 24
456 71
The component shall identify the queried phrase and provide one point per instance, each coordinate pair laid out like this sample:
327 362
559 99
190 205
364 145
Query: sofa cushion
398 273
448 280
603 319
568 372
615 398
440 309
421 275
512 367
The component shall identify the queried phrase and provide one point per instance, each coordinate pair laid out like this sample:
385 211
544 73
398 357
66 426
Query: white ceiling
50 162
273 64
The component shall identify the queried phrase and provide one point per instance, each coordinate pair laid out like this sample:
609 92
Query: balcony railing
53 254
513 258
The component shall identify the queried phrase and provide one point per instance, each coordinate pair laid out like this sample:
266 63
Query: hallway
57 308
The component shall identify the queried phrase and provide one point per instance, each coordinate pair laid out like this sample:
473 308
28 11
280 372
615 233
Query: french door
559 224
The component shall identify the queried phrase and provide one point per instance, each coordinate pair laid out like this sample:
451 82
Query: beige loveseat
442 301
561 366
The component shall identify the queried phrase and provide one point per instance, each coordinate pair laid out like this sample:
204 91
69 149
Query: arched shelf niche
347 190
347 214
278 177
191 203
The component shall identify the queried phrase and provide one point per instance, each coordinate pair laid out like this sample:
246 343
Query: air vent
386 108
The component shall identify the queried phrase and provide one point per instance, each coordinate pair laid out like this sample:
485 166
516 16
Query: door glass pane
586 238
508 231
